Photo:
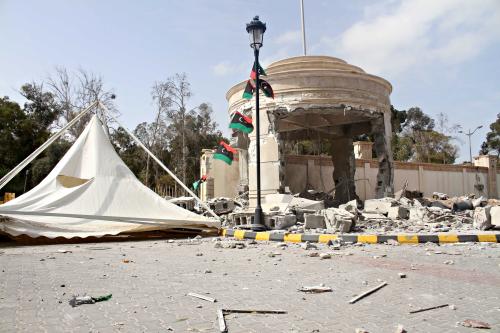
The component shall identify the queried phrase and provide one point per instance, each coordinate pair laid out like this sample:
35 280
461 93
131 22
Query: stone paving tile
149 292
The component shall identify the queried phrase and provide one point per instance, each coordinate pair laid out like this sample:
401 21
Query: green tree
492 142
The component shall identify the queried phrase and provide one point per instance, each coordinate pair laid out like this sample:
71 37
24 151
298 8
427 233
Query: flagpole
303 27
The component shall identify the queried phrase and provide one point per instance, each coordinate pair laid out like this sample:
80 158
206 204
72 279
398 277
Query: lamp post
256 31
469 134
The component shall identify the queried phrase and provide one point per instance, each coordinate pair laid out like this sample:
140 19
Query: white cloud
394 37
289 37
225 68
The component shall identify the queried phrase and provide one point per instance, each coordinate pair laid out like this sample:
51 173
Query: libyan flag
249 89
241 122
200 181
225 153
264 86
253 74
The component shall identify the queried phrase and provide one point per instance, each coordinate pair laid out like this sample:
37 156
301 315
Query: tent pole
160 162
11 174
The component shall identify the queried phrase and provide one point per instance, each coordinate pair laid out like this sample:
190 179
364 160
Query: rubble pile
441 213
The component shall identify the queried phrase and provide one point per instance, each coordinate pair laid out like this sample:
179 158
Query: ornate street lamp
256 31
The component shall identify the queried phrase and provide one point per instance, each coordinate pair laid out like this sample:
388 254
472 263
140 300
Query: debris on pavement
203 297
366 293
228 311
402 275
475 324
79 300
315 289
431 308
222 321
400 329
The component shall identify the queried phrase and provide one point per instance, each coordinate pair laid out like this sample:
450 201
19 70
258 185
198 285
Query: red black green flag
200 181
241 122
266 88
249 89
253 74
225 153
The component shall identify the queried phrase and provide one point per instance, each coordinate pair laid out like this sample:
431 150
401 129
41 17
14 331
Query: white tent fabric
91 192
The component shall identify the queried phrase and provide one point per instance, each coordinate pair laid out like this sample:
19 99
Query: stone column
490 162
381 129
344 165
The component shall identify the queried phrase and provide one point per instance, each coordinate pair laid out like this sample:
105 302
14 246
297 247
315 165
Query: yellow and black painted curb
362 238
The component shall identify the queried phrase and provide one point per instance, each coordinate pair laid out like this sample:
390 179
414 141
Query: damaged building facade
325 98
316 98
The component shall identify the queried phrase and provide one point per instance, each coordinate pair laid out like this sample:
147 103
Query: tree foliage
416 138
492 143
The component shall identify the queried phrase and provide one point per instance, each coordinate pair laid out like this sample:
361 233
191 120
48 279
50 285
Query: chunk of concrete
380 206
495 216
351 207
419 214
339 220
314 221
285 221
401 213
482 218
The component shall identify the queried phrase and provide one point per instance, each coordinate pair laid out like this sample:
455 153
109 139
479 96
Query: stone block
314 221
284 221
379 205
339 220
418 214
401 213
482 218
351 206
495 216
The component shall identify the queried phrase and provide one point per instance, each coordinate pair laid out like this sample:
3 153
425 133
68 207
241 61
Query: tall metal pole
470 147
303 27
257 225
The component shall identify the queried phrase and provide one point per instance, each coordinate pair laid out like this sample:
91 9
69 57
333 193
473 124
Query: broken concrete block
379 205
495 216
482 218
398 212
338 220
285 221
351 207
314 221
418 214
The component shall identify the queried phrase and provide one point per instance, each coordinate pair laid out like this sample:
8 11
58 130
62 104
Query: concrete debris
203 297
400 329
408 214
402 275
222 205
482 218
325 256
339 220
308 246
379 205
475 324
361 330
314 221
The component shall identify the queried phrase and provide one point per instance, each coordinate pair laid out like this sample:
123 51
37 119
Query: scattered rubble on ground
475 324
408 212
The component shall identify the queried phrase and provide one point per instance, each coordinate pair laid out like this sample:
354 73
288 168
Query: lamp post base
258 220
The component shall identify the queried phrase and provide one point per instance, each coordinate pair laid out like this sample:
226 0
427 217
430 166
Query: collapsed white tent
91 192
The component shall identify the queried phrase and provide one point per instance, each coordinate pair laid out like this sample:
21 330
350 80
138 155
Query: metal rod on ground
222 321
203 297
160 163
427 309
366 293
11 174
254 311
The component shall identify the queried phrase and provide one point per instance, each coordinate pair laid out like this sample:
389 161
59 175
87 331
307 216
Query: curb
363 238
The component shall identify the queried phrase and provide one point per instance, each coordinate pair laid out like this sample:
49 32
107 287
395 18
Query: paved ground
149 292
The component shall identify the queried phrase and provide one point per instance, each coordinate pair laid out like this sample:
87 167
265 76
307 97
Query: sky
443 56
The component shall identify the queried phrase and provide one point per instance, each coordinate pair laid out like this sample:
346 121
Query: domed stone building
316 98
